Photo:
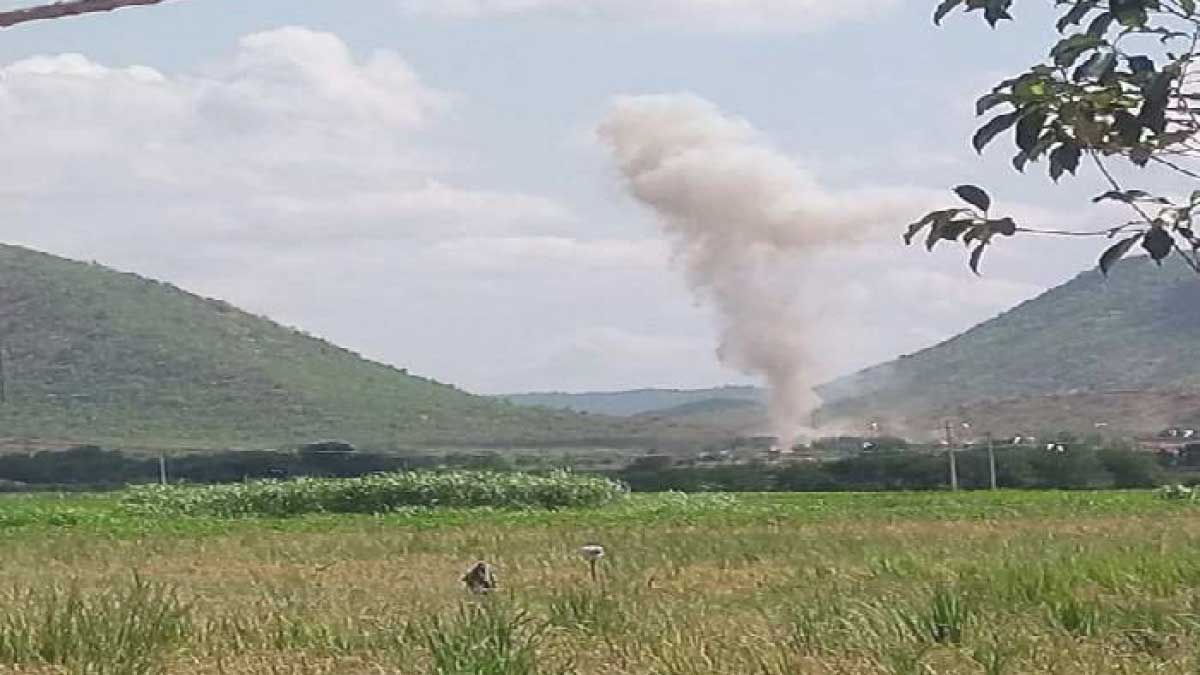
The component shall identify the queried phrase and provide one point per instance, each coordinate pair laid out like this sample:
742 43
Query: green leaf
1044 144
976 257
1003 226
916 228
1029 128
1129 129
994 127
1065 158
1068 50
944 226
995 10
980 231
1130 13
943 9
1029 88
1056 168
1075 15
1019 161
989 101
930 218
975 196
1116 252
1153 114
935 231
1096 67
1140 64
1099 26
955 229
1158 243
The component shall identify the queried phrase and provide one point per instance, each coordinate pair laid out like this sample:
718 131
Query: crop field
1012 582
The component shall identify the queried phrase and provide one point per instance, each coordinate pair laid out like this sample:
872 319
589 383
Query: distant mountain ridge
635 401
1077 349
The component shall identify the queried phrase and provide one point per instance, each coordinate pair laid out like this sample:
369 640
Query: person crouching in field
480 579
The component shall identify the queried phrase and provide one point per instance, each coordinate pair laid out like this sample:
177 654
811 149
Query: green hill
635 401
1095 350
739 416
96 356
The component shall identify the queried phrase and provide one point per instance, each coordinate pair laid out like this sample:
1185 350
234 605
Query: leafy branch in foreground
58 10
971 225
1117 85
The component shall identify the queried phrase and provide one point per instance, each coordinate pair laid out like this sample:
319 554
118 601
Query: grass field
1079 582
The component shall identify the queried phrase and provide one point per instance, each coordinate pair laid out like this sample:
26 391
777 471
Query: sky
421 180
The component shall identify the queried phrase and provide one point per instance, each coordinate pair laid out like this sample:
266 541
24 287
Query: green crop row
381 493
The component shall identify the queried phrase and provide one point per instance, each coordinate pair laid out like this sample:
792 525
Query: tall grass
126 630
1007 584
484 639
588 610
380 493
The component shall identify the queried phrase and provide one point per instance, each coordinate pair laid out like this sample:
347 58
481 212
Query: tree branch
1192 263
1106 233
59 10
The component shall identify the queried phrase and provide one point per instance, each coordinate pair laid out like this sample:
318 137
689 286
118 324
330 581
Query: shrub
378 494
1177 492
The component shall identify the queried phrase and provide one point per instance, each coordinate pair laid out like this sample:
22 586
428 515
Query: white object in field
592 552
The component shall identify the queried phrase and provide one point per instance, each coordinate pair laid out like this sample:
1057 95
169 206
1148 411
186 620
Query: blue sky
421 181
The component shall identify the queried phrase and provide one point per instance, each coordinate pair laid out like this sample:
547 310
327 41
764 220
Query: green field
1020 582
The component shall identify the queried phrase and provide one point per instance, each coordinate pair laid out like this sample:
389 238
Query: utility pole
953 460
162 467
992 459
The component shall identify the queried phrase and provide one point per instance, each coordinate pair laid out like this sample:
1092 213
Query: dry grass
1094 594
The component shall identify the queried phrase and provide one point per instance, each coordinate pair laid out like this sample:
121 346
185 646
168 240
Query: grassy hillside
637 401
742 417
1063 358
93 355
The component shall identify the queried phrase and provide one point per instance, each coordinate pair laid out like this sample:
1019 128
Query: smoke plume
745 221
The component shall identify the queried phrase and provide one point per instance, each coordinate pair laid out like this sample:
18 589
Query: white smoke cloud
747 222
719 15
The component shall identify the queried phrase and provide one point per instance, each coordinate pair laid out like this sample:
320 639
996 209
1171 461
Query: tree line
1016 468
91 467
1070 467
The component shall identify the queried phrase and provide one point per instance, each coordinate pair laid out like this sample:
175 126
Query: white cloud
292 140
311 77
717 15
